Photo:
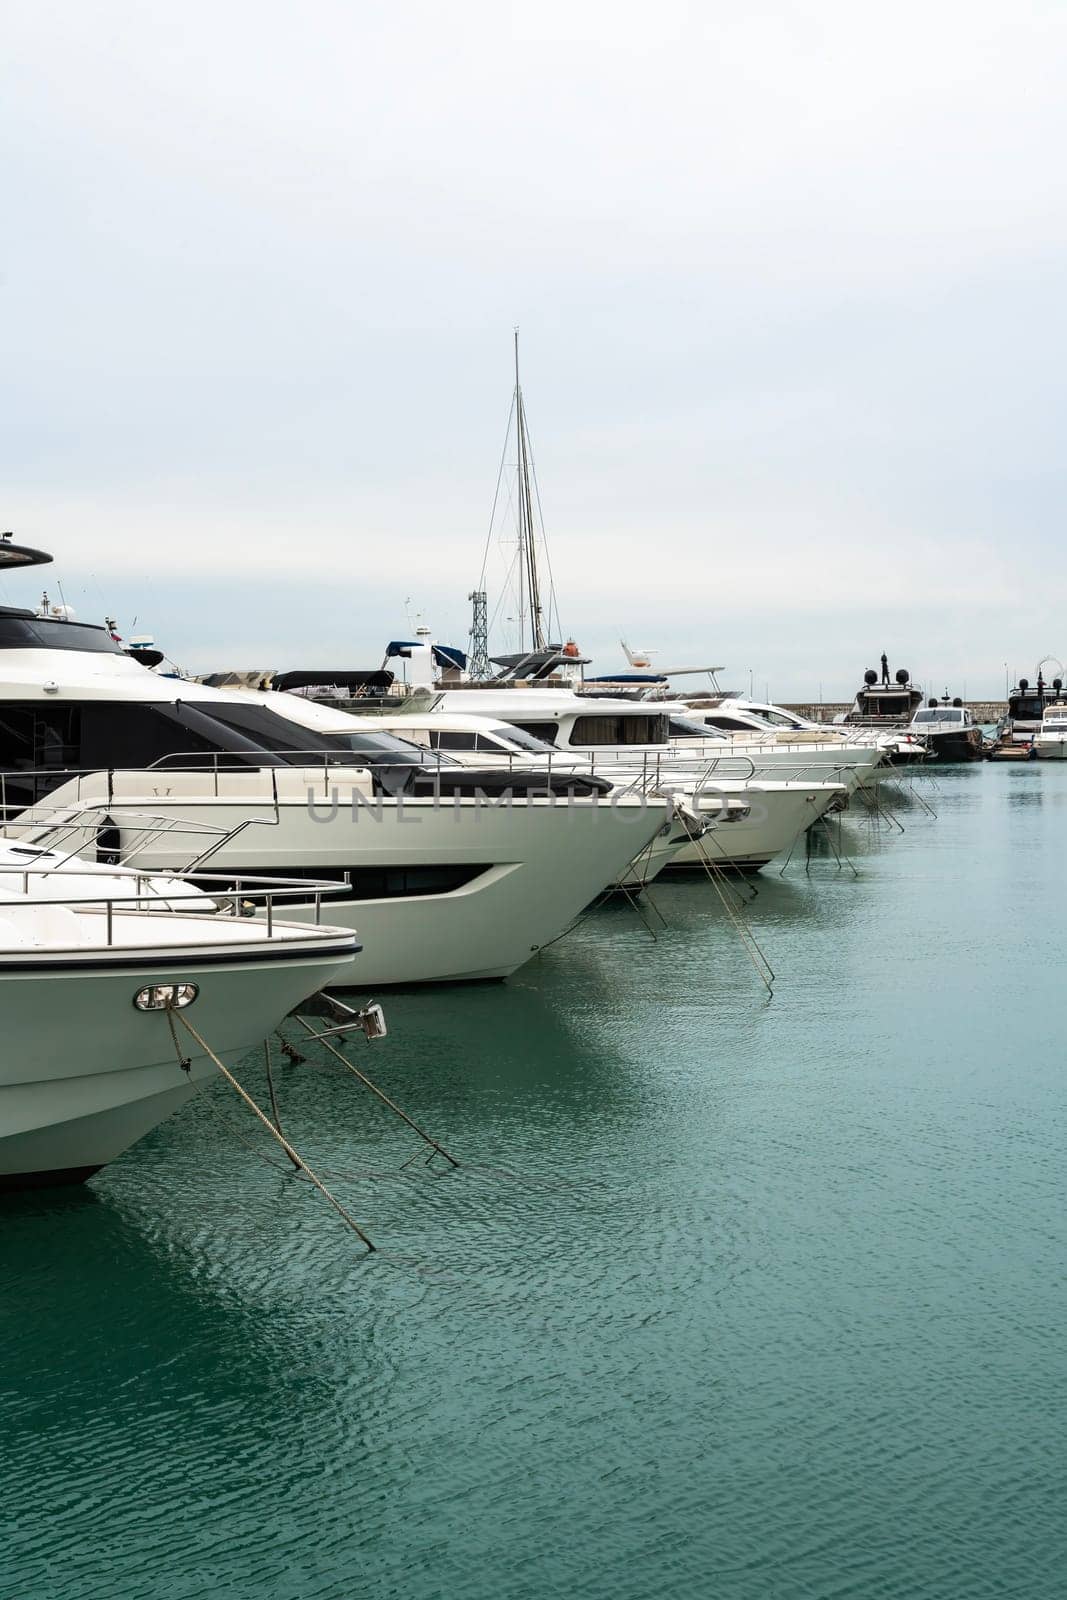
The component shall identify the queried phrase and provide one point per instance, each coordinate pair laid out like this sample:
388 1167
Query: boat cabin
1054 719
1026 709
941 718
885 705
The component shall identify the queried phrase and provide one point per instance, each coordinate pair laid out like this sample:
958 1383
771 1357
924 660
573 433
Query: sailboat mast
522 502
528 549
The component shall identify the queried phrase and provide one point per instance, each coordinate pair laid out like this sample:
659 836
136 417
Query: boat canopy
342 679
445 655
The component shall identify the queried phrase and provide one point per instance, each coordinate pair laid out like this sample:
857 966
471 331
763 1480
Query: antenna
478 663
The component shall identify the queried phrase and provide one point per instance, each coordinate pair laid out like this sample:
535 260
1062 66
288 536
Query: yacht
789 726
849 760
448 872
887 706
948 731
486 742
92 959
1050 741
784 795
1023 721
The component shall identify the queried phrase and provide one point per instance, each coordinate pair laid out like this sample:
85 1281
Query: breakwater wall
981 710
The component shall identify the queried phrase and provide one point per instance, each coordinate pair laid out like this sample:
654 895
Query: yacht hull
530 867
84 1074
849 765
776 820
965 745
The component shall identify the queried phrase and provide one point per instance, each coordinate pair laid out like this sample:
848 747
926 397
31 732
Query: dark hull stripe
687 867
153 962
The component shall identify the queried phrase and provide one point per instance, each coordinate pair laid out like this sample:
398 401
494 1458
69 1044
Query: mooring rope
297 1160
367 1083
763 968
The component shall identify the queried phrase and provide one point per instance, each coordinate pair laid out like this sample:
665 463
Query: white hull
847 764
535 865
776 820
84 1074
1048 749
654 858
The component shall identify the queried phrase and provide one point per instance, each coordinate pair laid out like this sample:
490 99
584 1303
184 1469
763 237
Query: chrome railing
75 829
152 894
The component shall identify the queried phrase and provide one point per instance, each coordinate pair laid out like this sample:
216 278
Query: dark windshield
27 632
277 733
941 714
776 719
525 740
682 728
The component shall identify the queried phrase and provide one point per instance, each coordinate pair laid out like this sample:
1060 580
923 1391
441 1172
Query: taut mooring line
764 970
374 1089
275 1133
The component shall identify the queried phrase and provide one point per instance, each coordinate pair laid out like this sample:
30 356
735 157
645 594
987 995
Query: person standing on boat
885 667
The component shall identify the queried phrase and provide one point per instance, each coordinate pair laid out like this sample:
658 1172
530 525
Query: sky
790 284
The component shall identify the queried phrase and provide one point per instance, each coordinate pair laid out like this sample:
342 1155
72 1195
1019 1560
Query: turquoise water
731 1298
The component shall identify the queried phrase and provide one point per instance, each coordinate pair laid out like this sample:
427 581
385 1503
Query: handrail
239 892
75 823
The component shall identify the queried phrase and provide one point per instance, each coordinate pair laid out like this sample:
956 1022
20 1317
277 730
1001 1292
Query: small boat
888 706
948 730
1050 742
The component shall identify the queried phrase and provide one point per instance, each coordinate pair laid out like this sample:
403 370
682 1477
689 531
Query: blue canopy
445 655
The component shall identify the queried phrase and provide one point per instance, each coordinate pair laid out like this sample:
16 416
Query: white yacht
738 714
1050 741
450 873
783 796
488 743
773 750
91 958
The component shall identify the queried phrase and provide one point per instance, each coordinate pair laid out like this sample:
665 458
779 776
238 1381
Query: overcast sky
790 279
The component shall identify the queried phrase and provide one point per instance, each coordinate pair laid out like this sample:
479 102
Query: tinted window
447 739
136 734
95 734
524 740
680 728
266 727
885 705
778 719
16 737
545 731
608 730
47 633
942 714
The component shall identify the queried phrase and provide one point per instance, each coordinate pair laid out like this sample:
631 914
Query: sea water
732 1296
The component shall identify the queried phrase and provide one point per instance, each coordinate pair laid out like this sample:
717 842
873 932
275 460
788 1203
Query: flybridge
24 630
36 630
